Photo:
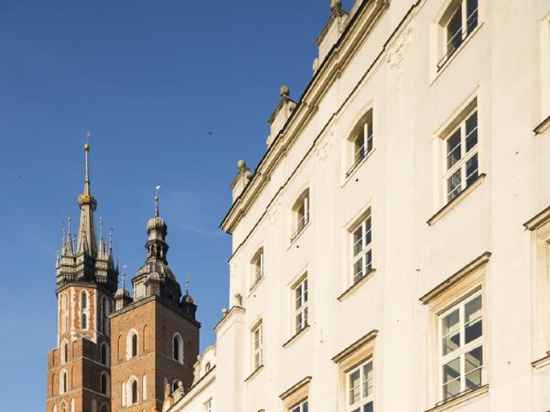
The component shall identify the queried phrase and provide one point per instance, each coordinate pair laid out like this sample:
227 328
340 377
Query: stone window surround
297 393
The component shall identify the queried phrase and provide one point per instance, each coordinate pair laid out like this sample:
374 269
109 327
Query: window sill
353 170
542 362
450 205
440 70
460 399
255 285
296 336
298 234
255 373
349 291
542 126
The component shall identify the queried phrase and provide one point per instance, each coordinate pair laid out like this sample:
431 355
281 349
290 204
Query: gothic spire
157 231
87 243
68 249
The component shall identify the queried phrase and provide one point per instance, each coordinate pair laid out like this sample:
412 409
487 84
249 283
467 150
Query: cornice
337 59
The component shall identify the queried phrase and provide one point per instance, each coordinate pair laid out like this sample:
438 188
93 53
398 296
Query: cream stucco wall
504 64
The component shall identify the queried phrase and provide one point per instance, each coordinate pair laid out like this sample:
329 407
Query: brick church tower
155 334
86 280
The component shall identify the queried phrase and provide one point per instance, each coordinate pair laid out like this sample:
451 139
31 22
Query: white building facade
391 250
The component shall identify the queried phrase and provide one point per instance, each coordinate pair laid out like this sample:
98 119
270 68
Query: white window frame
465 19
363 401
257 267
129 344
301 213
300 304
460 166
302 406
63 382
362 256
129 391
363 130
257 344
464 348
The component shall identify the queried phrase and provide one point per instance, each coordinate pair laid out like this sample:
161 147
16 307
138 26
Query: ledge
255 373
542 362
353 170
450 205
460 399
455 278
299 234
542 126
294 388
354 346
296 336
356 285
538 220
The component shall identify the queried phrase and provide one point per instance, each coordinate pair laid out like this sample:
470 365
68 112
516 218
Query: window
361 141
458 22
84 310
132 395
301 213
103 353
64 352
208 406
63 382
257 346
104 317
175 386
177 348
301 407
362 248
144 387
461 351
301 299
360 389
103 384
132 344
257 266
461 155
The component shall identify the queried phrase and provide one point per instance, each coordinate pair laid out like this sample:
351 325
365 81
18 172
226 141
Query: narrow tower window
103 353
132 344
84 310
134 392
177 348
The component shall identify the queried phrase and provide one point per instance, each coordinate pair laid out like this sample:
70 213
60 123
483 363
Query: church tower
155 334
86 279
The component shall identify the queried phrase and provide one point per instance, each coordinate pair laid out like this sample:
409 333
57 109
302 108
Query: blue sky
174 92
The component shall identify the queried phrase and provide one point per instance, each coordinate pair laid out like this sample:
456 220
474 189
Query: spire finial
124 267
157 201
87 148
101 228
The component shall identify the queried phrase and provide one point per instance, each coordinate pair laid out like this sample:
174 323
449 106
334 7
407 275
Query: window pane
354 387
358 240
472 15
451 370
368 258
451 332
299 297
471 131
305 291
299 322
473 321
305 407
368 234
474 368
369 407
358 270
454 185
454 31
471 170
454 147
451 389
367 380
359 147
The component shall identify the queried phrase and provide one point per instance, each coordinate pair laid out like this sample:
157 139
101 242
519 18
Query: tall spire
88 204
156 233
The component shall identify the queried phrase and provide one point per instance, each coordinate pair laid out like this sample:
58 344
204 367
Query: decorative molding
355 346
254 373
455 278
295 388
356 285
540 219
542 126
542 362
296 336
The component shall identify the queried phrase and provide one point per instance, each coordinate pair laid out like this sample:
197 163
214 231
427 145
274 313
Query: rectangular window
362 248
461 350
301 300
360 388
461 156
257 267
257 346
459 21
301 407
362 140
208 406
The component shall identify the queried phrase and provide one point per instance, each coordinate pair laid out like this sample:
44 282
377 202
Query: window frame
257 267
208 405
104 383
464 30
363 129
302 285
301 220
464 348
367 242
179 358
362 403
64 382
257 345
84 310
302 406
132 344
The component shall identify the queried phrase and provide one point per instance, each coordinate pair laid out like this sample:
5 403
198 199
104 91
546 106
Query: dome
156 222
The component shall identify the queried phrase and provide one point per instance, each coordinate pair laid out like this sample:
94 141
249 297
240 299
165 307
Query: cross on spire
157 201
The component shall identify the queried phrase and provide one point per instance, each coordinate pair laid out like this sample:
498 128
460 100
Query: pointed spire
68 249
157 201
86 233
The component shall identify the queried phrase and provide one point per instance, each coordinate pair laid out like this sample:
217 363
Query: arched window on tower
84 310
63 382
64 352
177 348
134 394
103 353
104 316
132 344
104 384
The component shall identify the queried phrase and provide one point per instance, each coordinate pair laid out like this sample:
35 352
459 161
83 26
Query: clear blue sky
174 92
